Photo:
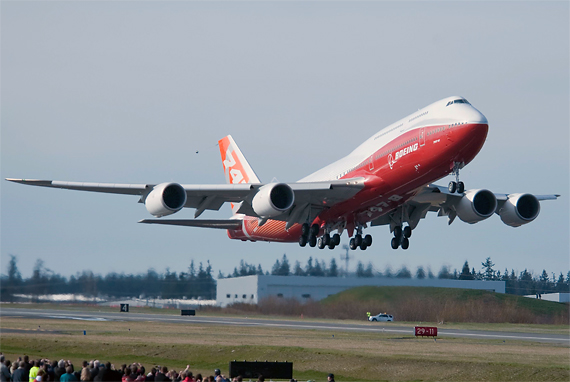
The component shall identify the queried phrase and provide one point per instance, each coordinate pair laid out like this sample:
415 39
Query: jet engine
273 199
519 209
165 199
476 205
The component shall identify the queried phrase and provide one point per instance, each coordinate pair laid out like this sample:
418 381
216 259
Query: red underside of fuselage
393 175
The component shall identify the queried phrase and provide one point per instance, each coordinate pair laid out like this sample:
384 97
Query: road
395 328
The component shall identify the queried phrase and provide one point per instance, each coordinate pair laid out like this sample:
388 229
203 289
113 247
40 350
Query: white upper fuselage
438 113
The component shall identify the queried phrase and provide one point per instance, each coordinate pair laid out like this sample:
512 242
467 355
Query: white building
252 289
556 297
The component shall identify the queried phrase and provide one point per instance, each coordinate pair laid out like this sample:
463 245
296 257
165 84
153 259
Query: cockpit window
461 100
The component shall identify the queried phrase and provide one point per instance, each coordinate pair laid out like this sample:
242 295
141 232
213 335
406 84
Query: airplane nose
476 117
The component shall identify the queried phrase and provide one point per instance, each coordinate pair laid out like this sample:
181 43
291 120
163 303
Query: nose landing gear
457 185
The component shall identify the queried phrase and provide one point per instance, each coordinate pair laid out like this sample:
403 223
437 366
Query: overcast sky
128 91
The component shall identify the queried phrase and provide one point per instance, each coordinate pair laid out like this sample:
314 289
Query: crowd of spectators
45 370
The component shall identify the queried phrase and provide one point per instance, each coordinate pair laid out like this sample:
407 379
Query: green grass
314 353
467 305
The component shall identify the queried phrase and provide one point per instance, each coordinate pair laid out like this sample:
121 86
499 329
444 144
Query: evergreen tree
404 273
276 267
430 274
420 273
543 283
259 270
284 269
561 284
388 272
444 273
360 269
298 270
309 267
488 273
333 269
465 273
526 284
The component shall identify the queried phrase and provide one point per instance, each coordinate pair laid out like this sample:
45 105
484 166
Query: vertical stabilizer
236 168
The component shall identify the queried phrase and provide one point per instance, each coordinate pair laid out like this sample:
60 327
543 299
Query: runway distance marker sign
425 331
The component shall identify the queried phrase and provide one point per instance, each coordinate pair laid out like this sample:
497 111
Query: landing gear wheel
405 243
326 238
312 241
452 187
368 240
321 243
352 244
358 240
395 243
460 187
315 230
305 229
303 241
332 245
336 239
398 231
407 232
363 246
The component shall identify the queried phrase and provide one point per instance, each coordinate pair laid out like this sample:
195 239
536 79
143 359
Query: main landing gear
457 185
360 242
309 235
401 237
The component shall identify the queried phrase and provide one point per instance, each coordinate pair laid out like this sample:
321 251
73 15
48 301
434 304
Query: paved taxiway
395 328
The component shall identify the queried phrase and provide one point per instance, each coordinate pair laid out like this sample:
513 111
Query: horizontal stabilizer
206 223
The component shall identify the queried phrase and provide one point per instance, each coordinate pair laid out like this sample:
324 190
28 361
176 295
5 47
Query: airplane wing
471 207
205 223
309 197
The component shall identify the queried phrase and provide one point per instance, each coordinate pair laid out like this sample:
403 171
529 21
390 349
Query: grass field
351 356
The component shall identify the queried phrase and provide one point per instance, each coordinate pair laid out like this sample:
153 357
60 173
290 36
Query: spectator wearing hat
330 378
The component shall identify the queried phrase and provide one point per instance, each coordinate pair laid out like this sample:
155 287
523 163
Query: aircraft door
422 136
371 163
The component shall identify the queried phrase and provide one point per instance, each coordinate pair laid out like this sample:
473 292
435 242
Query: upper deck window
461 100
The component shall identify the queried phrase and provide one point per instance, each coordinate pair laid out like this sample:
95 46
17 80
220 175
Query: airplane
387 180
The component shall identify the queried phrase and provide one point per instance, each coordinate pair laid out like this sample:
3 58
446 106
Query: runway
395 328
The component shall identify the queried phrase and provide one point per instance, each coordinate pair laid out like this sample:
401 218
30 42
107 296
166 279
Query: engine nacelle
165 199
476 205
273 199
519 209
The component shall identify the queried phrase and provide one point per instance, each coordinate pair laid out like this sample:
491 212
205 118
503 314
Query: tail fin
236 167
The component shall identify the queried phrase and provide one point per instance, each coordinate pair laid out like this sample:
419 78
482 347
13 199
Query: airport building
252 289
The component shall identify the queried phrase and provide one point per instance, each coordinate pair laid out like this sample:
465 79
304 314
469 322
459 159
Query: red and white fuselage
395 163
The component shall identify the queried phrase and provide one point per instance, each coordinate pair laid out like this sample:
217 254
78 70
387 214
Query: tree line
199 282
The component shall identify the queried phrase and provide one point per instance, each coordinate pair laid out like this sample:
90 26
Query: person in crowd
239 378
330 377
68 376
95 369
199 378
28 364
161 376
150 376
141 374
59 370
5 374
85 372
20 374
42 376
33 372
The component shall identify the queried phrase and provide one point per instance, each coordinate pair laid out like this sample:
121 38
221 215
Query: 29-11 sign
426 331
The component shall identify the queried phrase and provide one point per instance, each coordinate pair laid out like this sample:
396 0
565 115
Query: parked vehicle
381 317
